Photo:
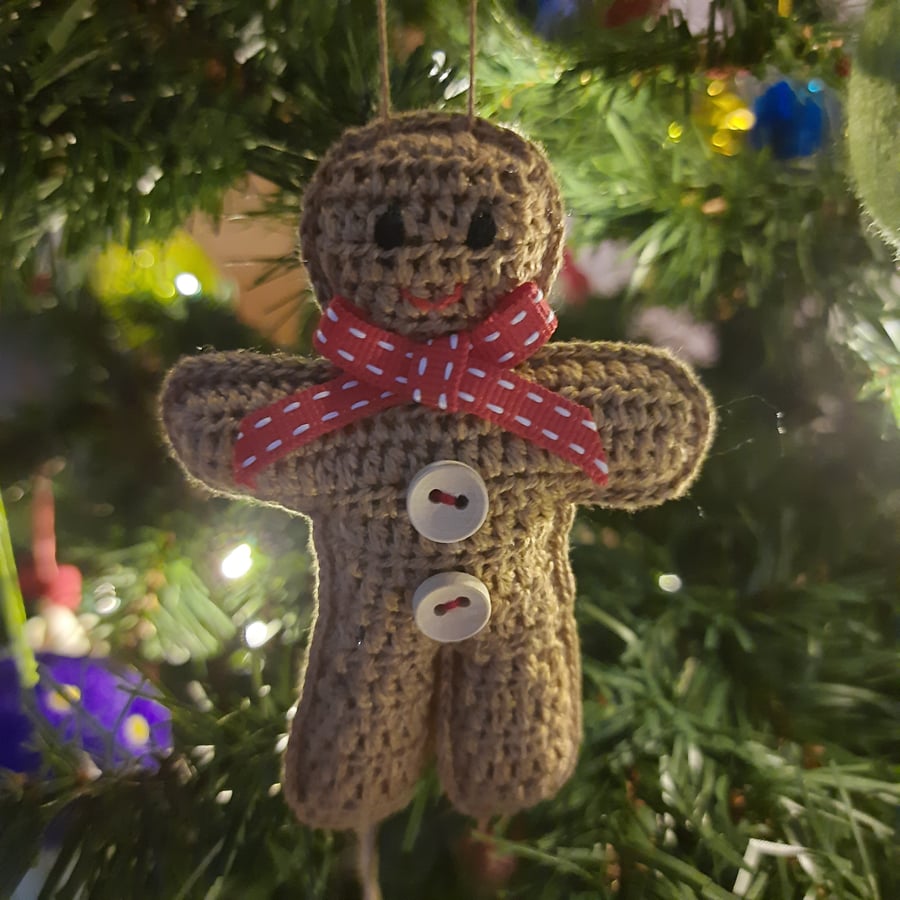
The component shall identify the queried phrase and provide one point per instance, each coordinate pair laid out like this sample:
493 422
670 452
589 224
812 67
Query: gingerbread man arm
202 402
655 419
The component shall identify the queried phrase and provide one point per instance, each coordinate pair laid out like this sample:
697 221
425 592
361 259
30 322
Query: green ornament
874 118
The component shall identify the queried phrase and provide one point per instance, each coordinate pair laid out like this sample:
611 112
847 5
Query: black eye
482 229
389 232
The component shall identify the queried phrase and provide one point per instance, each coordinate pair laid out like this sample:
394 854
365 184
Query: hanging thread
383 59
473 10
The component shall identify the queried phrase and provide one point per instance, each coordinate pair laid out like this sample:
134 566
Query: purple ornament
105 712
15 726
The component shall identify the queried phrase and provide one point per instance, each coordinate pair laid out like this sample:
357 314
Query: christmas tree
739 658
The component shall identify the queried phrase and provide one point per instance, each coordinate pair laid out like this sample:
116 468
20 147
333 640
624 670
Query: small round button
451 606
447 501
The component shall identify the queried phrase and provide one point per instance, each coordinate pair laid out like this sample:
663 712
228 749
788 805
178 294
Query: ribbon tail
275 431
538 415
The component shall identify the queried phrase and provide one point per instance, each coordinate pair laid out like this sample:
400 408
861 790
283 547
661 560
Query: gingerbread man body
423 222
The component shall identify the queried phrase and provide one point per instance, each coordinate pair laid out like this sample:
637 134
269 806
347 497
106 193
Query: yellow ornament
725 115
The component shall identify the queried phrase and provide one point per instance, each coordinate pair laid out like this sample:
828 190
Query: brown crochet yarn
501 711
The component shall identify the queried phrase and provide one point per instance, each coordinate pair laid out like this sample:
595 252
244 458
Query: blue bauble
791 119
551 14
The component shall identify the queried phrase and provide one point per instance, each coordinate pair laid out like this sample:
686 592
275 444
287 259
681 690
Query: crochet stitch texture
501 711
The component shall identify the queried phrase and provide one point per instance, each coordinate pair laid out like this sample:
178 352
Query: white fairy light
256 634
106 604
148 180
187 284
669 582
106 600
238 562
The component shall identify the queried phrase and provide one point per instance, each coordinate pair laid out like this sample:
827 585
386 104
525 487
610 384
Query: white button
447 501
451 606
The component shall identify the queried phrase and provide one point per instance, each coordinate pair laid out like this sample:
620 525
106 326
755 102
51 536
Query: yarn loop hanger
385 78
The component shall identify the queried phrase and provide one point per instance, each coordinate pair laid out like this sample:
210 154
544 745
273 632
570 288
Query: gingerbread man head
439 446
425 219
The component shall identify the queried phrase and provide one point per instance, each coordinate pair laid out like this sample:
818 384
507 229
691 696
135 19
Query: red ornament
41 577
624 11
577 287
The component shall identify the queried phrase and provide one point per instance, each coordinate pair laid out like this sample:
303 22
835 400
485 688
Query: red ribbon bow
468 371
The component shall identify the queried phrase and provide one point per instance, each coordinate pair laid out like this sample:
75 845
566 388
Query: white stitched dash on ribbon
291 407
448 369
442 401
321 337
346 354
331 314
349 384
467 397
563 411
329 416
517 318
357 333
537 398
492 337
589 423
494 408
240 436
508 385
401 379
300 429
506 356
417 395
248 462
523 421
385 395
454 340
602 466
532 338
374 369
478 373
385 345
550 434
360 404
423 364
273 446
577 448
265 420
321 395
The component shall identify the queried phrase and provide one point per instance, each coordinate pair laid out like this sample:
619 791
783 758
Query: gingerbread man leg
360 737
509 710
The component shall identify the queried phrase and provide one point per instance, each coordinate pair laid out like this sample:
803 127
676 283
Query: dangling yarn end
367 862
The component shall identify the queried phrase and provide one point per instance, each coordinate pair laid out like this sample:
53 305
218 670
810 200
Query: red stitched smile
426 305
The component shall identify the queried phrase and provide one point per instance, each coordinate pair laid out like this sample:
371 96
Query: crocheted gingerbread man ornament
439 446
